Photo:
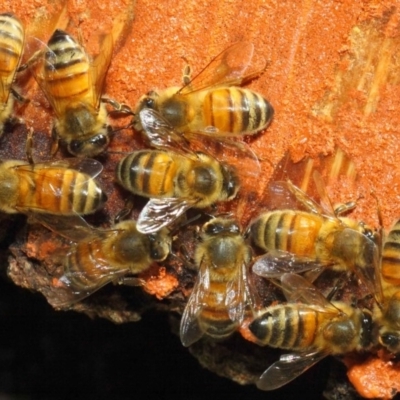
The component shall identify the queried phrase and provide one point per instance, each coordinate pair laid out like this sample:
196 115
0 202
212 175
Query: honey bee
298 241
12 36
174 183
210 103
311 326
63 187
221 294
73 84
387 293
102 256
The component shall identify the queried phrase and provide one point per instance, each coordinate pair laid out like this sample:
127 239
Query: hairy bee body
12 36
224 109
97 260
47 188
301 327
387 310
159 174
220 296
72 83
339 242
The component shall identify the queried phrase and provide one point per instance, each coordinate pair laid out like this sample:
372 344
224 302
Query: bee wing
44 69
227 68
99 67
298 289
369 274
68 292
162 135
158 213
278 262
289 367
73 227
87 166
190 330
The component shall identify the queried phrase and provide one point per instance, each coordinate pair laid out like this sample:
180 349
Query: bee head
89 147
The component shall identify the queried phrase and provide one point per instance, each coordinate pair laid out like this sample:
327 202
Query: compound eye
390 341
90 147
149 103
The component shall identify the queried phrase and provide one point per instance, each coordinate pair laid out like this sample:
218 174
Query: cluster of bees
187 127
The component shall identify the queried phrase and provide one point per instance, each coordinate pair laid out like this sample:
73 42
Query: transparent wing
278 262
73 227
85 279
227 68
158 213
162 135
99 67
289 367
87 166
298 289
190 330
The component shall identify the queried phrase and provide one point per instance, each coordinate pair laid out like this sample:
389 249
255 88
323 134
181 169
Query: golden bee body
340 242
12 36
387 292
73 85
55 187
311 327
211 102
221 294
175 183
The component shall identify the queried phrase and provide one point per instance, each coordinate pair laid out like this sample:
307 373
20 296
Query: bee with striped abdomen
311 327
73 85
221 294
211 103
101 256
175 183
12 36
64 187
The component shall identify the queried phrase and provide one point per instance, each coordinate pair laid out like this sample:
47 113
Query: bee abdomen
148 173
287 230
11 43
236 110
67 67
216 323
286 327
391 256
84 254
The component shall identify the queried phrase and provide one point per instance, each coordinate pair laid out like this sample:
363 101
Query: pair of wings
237 296
44 64
286 195
158 213
76 229
89 167
290 366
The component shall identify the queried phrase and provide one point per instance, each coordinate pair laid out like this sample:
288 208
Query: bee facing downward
73 85
12 36
221 295
210 103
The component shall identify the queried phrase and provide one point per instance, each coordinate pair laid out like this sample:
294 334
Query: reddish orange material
333 79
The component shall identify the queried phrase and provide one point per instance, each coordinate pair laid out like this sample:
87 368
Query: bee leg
29 146
339 284
118 107
129 281
19 96
124 212
54 145
31 61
